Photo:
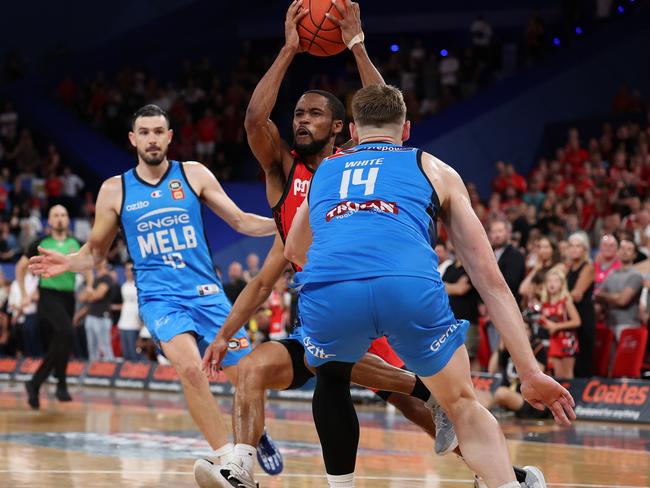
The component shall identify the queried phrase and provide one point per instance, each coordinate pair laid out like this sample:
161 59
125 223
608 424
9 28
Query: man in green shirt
55 306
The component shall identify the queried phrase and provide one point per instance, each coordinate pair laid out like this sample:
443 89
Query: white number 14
357 179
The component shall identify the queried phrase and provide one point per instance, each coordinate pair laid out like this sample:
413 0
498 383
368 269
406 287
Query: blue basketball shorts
202 316
340 320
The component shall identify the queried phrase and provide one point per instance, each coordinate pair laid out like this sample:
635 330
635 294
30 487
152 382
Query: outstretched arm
263 135
211 192
300 236
52 263
252 297
472 245
350 25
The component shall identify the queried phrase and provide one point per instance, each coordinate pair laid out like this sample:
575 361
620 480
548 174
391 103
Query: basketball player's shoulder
112 184
195 169
110 193
442 176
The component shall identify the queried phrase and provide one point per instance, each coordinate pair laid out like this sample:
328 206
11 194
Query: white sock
341 481
480 483
245 455
512 484
224 454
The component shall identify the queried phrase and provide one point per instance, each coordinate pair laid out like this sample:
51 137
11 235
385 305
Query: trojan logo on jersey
300 187
345 209
165 230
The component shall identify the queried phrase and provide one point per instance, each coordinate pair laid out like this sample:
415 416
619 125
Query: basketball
319 35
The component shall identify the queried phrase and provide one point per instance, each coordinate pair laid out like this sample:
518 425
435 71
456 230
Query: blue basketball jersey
372 213
163 228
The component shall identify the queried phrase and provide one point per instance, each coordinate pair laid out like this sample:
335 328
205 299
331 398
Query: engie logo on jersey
345 209
137 205
176 188
316 351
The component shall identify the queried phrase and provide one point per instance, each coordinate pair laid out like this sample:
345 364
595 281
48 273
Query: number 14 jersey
373 213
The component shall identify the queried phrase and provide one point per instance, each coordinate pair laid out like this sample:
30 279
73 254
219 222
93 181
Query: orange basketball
319 35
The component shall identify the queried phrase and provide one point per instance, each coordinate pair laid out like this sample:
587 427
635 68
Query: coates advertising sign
101 373
608 399
164 378
75 372
133 375
8 367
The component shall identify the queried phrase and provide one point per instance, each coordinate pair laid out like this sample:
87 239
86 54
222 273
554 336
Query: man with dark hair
371 270
511 262
150 110
55 306
318 119
621 291
158 206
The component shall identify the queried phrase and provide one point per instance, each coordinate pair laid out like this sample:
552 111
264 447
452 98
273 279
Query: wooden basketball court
112 438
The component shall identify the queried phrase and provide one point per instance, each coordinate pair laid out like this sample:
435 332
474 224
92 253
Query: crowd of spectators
33 177
207 104
572 240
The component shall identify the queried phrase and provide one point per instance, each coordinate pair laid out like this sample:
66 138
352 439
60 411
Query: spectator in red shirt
207 131
588 210
573 153
500 181
515 179
53 189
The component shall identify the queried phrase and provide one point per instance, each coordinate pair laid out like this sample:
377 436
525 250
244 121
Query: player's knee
334 372
191 374
251 371
458 404
500 394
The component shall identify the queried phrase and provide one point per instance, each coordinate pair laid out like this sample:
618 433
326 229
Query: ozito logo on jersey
345 209
176 188
137 205
316 351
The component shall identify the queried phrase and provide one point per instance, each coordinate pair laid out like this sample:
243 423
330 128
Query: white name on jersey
165 241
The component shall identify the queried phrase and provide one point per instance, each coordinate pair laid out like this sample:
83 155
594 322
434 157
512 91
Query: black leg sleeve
335 418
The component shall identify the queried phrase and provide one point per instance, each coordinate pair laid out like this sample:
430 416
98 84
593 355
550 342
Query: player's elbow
292 253
254 118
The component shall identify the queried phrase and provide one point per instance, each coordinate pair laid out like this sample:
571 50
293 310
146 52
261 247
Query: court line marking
579 446
288 475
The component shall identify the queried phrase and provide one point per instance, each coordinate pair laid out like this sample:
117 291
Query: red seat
630 352
602 351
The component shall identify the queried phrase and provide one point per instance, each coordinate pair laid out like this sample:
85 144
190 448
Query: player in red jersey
280 365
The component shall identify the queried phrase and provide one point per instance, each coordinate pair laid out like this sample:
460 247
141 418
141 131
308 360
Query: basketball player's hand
541 390
49 263
294 15
213 356
350 23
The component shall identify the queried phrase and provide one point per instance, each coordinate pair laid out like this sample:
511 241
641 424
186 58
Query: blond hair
558 271
378 105
582 237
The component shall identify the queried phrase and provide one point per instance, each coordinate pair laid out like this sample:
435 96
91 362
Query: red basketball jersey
295 192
